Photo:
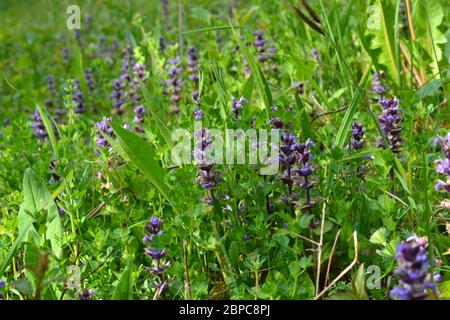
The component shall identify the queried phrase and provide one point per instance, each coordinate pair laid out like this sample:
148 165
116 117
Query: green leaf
379 237
380 25
154 110
123 290
142 155
306 286
342 133
247 91
49 128
444 289
304 118
36 199
359 284
294 269
15 247
428 17
24 286
221 88
430 89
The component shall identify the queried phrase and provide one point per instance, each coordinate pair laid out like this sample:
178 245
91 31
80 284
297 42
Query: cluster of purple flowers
443 166
153 228
377 86
65 55
119 85
264 53
118 96
77 97
259 43
193 64
237 105
2 285
295 160
198 112
208 176
404 26
127 60
51 87
38 126
135 86
103 128
165 11
415 280
174 83
86 294
139 113
357 139
90 81
390 120
139 109
162 44
53 99
315 55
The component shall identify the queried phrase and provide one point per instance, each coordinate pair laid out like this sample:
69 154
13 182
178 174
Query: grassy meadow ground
93 205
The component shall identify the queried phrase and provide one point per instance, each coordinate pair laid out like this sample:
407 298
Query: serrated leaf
428 16
380 24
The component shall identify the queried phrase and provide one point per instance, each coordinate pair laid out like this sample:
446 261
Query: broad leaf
123 290
141 155
380 24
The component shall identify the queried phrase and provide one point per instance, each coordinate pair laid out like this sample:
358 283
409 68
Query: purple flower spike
118 96
357 137
90 81
208 176
175 82
198 114
390 121
86 294
78 98
153 228
193 64
103 128
38 126
276 123
139 113
315 54
377 87
237 105
415 280
443 165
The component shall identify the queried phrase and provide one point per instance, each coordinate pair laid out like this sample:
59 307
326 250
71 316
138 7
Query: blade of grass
48 128
341 136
